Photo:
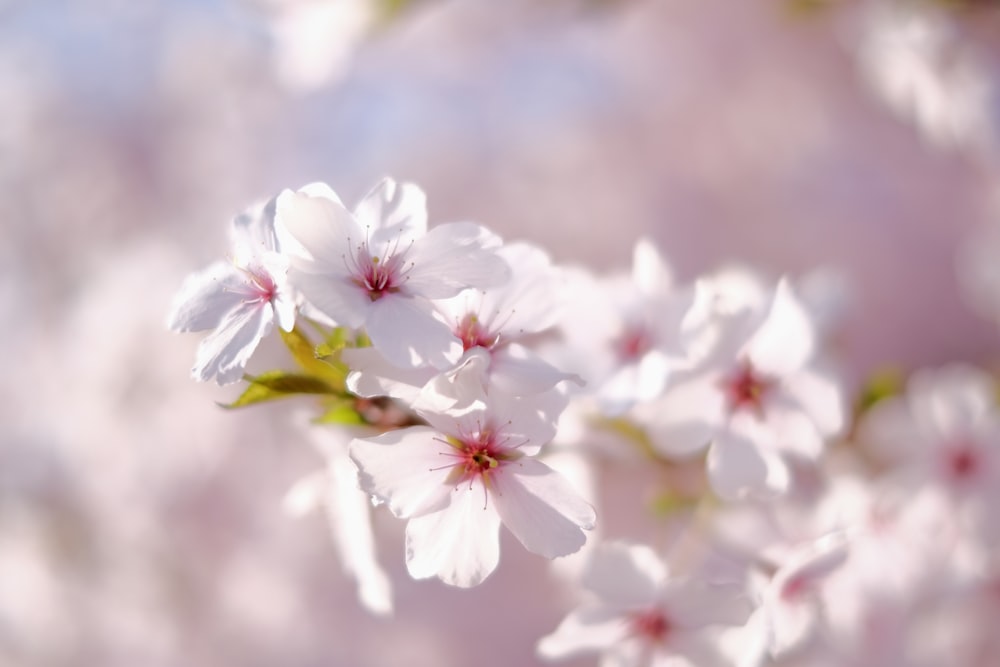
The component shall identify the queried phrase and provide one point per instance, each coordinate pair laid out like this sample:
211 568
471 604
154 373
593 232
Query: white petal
252 232
951 400
625 574
686 418
407 468
372 375
526 423
737 468
406 332
459 544
451 258
349 512
694 604
314 220
395 215
333 295
457 389
584 631
284 308
541 508
224 353
519 371
650 273
207 297
788 428
820 397
533 298
786 340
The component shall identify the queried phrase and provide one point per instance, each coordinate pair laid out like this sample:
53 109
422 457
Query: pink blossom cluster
464 383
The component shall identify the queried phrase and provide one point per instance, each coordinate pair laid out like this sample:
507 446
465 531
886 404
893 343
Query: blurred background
140 524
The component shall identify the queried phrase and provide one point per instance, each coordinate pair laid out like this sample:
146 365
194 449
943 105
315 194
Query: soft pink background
142 525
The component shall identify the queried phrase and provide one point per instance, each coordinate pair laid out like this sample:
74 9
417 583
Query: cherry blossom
753 398
379 268
239 300
641 616
495 320
945 433
625 335
489 323
458 479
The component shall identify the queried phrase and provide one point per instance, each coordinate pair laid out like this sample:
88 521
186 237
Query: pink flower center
745 389
962 462
474 334
477 456
264 287
378 276
634 342
651 625
795 588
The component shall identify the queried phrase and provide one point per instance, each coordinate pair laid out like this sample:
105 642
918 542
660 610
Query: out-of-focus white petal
949 401
820 397
790 429
790 601
305 495
625 574
737 468
583 631
650 272
407 468
540 507
786 339
348 509
693 604
686 418
252 232
459 544
516 370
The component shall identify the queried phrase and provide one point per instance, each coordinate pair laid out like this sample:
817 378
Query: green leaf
342 412
881 385
310 360
273 385
337 341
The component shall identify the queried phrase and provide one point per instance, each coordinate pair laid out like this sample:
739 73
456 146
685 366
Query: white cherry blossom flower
626 335
488 323
379 268
239 300
458 479
753 399
642 617
923 68
495 319
944 433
